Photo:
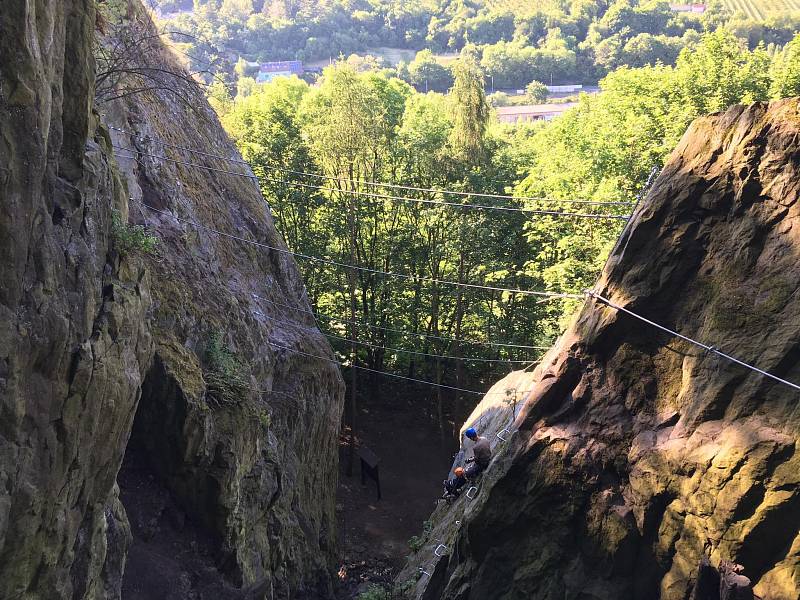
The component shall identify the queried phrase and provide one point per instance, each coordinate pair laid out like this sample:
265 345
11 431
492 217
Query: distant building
284 68
691 8
564 89
532 112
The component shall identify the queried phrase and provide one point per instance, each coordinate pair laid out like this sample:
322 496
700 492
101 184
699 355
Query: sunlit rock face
636 453
98 349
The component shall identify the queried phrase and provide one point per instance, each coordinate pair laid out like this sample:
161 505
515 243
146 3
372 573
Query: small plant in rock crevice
374 592
224 374
130 238
415 543
264 418
381 592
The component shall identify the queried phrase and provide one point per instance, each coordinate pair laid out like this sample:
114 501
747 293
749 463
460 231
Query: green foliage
383 592
470 109
515 65
219 97
404 589
786 71
361 127
112 11
516 42
264 418
416 543
225 376
375 592
605 148
536 92
721 71
426 73
130 238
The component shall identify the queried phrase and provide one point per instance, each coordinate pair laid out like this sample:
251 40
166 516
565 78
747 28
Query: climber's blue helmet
471 433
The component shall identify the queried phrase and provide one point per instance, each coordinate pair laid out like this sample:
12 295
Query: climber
481 457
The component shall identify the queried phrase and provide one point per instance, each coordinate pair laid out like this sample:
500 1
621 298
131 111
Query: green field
761 9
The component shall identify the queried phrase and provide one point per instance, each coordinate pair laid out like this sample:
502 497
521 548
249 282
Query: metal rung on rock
436 551
471 492
499 434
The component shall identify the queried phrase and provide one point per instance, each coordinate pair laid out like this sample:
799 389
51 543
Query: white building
532 112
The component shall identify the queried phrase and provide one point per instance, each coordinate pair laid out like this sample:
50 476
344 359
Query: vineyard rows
761 9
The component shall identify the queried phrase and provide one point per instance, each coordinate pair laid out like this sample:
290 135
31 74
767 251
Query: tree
266 127
536 92
425 73
219 97
470 110
786 71
490 28
720 72
648 49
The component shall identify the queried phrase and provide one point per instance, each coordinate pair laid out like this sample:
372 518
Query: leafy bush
224 374
130 238
415 543
375 592
536 92
265 418
381 592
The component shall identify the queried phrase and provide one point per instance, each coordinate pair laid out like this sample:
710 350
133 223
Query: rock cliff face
104 351
636 454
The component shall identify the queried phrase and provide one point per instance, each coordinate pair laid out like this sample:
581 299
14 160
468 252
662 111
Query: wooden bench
369 467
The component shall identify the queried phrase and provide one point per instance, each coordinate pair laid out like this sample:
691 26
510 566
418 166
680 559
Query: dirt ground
374 534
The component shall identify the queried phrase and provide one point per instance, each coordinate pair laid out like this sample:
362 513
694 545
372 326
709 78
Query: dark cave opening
175 552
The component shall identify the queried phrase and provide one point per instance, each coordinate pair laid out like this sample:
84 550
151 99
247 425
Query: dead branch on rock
129 60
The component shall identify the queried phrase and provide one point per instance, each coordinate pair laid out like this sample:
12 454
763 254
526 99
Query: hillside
762 9
636 453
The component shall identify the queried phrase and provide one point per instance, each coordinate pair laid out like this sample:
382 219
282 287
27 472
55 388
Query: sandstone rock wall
97 348
637 453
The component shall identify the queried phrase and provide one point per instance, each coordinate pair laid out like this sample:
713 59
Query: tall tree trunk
351 221
456 350
439 407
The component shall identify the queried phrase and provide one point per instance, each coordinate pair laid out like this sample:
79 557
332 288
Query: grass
759 10
224 374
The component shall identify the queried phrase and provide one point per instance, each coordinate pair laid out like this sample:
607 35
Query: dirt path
374 534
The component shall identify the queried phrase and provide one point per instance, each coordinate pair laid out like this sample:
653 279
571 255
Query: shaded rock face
98 349
638 454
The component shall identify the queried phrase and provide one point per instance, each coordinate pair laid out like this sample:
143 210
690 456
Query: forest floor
374 534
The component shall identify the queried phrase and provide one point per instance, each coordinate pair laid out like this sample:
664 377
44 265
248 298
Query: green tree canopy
786 71
470 110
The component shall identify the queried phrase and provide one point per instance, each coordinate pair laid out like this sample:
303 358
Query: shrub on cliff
224 374
130 238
